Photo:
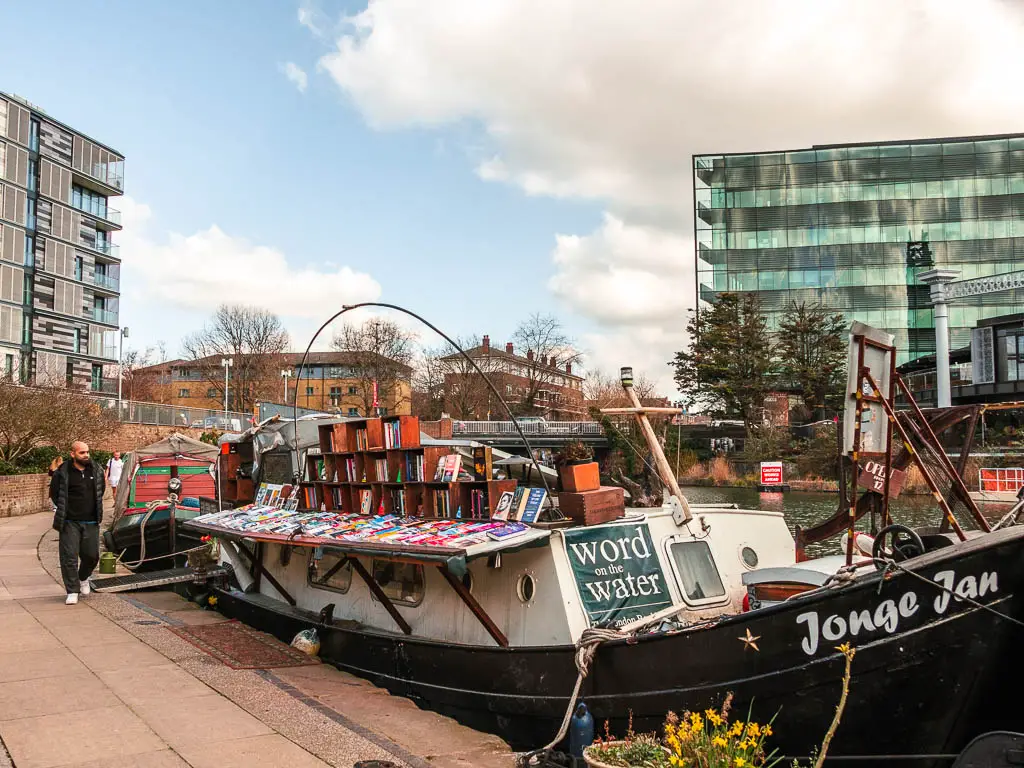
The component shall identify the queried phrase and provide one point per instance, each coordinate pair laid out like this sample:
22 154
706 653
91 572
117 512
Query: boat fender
307 641
862 543
581 730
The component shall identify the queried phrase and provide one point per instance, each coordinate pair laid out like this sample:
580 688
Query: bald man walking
76 490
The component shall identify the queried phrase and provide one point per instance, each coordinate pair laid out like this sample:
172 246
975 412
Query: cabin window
695 567
328 574
526 588
402 583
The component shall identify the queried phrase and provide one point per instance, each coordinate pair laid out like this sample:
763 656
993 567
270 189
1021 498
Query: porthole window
749 557
467 581
526 588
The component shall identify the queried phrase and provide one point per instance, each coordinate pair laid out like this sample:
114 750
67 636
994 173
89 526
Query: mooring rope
586 647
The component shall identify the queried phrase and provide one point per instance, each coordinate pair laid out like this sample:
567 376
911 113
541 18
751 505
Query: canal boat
160 489
683 604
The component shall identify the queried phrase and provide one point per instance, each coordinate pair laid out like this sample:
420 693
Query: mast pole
660 462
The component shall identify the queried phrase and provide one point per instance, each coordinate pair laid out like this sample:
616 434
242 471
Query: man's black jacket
59 492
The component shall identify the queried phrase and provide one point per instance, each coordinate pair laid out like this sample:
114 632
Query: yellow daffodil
737 728
741 762
767 730
753 729
718 741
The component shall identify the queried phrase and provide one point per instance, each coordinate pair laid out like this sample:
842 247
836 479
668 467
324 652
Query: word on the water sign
617 572
888 614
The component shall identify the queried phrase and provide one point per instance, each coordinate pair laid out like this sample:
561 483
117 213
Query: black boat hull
920 688
163 538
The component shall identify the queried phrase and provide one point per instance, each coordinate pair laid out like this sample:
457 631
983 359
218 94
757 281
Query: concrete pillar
938 279
942 352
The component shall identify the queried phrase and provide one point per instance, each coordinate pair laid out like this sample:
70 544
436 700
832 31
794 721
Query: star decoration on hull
749 640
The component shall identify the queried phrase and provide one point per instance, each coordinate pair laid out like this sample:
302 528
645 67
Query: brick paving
105 683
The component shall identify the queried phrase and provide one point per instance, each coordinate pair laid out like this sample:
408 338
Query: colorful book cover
534 502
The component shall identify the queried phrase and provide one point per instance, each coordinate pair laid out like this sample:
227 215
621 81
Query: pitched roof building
531 384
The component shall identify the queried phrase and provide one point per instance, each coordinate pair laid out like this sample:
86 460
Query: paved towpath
105 683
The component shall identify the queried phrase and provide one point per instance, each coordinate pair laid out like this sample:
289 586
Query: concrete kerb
311 730
281 704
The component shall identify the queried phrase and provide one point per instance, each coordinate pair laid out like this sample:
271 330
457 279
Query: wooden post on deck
660 462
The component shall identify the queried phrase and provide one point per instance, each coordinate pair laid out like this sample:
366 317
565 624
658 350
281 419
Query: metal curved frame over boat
934 637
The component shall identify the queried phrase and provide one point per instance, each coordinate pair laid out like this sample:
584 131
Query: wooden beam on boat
261 570
474 606
374 587
958 482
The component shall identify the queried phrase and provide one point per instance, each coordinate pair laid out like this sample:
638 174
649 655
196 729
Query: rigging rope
888 565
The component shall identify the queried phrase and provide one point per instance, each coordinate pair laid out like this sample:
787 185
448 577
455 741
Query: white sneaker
85 588
72 599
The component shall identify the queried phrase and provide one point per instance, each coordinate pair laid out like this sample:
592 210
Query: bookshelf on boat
378 466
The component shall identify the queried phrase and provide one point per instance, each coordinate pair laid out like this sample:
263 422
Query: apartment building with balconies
59 268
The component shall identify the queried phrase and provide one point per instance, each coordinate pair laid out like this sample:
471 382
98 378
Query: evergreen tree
812 350
728 367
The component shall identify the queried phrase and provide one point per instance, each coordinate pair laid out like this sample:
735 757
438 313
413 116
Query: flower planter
591 756
577 478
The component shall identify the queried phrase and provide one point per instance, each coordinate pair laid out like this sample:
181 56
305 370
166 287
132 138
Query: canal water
807 509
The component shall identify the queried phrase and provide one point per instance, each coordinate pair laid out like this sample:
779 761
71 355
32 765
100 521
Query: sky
475 161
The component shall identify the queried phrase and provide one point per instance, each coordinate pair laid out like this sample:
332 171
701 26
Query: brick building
531 384
334 382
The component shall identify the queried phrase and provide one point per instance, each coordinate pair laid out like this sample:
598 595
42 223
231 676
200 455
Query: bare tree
428 385
382 352
545 344
136 385
254 339
52 415
602 390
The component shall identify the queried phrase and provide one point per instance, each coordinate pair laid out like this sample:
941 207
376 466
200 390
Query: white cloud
609 101
296 75
173 282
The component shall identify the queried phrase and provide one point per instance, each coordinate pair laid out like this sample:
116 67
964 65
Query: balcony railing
107 214
107 248
106 281
104 316
111 175
105 386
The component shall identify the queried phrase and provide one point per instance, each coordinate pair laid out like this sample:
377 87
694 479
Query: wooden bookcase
382 459
235 473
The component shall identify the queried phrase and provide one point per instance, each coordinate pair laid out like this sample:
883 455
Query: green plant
211 437
642 750
574 451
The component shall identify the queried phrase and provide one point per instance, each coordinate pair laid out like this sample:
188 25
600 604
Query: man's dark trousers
79 552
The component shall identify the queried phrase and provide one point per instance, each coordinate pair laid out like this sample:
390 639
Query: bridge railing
552 428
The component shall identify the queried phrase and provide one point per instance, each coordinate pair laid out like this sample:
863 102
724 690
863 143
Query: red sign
872 477
771 473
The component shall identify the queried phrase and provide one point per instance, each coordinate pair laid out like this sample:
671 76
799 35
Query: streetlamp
285 373
226 362
120 363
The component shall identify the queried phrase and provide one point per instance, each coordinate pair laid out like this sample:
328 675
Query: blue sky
476 160
214 134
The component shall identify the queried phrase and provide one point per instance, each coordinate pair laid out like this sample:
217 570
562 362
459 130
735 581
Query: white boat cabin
545 589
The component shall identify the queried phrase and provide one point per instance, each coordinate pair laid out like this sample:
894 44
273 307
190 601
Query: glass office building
833 224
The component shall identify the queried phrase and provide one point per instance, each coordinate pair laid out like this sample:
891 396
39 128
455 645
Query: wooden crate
593 507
